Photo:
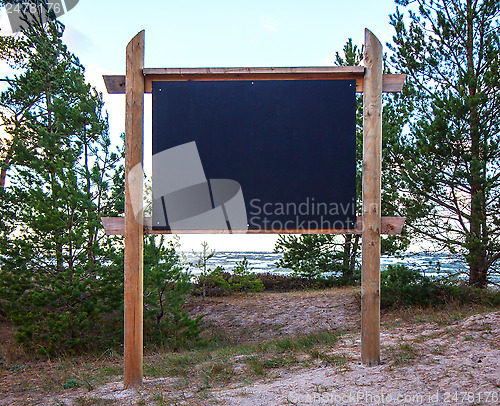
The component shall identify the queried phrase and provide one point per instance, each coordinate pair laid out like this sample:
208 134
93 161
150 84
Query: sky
213 34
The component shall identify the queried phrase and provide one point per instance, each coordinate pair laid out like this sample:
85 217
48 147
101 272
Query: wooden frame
369 79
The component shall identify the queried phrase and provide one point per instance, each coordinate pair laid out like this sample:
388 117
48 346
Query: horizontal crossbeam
390 226
392 83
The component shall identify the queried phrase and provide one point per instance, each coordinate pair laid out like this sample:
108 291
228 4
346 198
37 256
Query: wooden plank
115 84
332 70
134 135
393 83
372 150
389 226
252 76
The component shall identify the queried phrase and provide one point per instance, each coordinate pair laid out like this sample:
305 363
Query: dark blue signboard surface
288 148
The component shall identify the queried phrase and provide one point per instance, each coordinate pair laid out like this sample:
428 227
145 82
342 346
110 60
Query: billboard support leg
372 150
133 282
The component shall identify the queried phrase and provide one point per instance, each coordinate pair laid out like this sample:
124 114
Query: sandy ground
423 363
459 364
261 317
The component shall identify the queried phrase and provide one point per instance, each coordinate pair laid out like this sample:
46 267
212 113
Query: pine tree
16 51
60 276
450 160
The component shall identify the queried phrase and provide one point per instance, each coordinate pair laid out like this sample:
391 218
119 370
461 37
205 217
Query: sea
429 264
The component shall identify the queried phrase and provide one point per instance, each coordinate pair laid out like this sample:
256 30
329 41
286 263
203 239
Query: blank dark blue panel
290 144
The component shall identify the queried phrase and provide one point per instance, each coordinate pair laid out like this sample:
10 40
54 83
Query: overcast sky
214 34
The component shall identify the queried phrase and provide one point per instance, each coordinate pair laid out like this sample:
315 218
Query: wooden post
372 149
134 133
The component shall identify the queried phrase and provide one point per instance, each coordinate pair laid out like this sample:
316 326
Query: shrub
221 283
400 285
243 279
63 311
285 283
213 283
166 287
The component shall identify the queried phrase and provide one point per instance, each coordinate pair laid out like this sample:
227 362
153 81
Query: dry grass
24 376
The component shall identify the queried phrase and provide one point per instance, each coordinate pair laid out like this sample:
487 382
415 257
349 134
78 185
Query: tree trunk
476 245
354 253
478 275
3 176
347 271
6 164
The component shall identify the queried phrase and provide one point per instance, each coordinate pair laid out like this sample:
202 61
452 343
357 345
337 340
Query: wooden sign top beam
392 83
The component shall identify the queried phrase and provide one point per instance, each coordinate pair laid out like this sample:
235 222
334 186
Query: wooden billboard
368 79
